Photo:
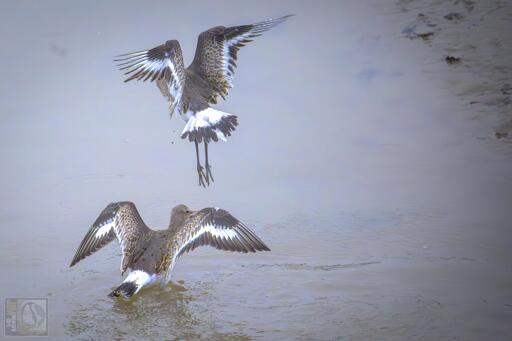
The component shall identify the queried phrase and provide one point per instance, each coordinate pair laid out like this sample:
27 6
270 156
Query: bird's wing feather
163 64
214 227
217 50
119 220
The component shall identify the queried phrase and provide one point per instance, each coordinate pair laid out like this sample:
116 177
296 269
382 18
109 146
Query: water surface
382 192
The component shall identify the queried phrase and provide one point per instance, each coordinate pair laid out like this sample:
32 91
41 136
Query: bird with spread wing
192 91
150 255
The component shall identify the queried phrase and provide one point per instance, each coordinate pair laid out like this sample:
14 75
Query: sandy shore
472 45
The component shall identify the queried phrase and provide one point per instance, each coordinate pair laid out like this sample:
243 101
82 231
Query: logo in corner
26 317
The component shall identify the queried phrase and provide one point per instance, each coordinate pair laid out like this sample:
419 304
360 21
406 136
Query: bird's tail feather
127 289
209 124
135 281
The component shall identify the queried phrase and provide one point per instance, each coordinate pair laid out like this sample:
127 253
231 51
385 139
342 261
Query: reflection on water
159 313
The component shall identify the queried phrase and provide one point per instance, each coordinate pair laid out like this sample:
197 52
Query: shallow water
360 160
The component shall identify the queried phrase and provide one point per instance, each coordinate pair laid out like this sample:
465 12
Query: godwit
191 91
150 255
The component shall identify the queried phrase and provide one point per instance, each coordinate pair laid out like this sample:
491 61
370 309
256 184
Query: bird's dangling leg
207 165
200 171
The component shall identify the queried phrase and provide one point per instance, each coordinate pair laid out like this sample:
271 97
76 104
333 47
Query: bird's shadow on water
158 312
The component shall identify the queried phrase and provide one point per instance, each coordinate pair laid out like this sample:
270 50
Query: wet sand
473 39
362 159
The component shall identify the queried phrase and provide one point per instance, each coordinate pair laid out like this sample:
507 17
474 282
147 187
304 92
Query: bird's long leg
207 165
200 171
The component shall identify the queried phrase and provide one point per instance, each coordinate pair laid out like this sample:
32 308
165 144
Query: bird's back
154 253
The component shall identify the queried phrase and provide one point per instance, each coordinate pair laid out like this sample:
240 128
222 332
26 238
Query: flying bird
192 91
150 255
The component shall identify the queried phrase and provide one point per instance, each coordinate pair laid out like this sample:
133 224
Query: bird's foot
209 175
202 176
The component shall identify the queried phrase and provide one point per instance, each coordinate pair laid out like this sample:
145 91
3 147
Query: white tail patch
140 278
207 118
220 135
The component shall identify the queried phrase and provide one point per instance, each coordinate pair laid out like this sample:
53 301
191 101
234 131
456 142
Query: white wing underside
226 57
224 233
256 30
172 90
157 64
113 225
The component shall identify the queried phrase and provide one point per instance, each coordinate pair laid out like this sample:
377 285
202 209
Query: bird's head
179 214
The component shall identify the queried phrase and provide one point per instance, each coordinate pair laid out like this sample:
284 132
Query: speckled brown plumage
155 252
210 226
122 220
191 91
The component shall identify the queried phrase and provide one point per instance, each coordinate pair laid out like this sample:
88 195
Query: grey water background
359 159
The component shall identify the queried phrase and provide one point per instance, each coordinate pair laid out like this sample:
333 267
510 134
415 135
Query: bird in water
150 255
192 91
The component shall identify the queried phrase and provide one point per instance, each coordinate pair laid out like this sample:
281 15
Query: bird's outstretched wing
121 220
218 228
163 64
215 227
217 49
